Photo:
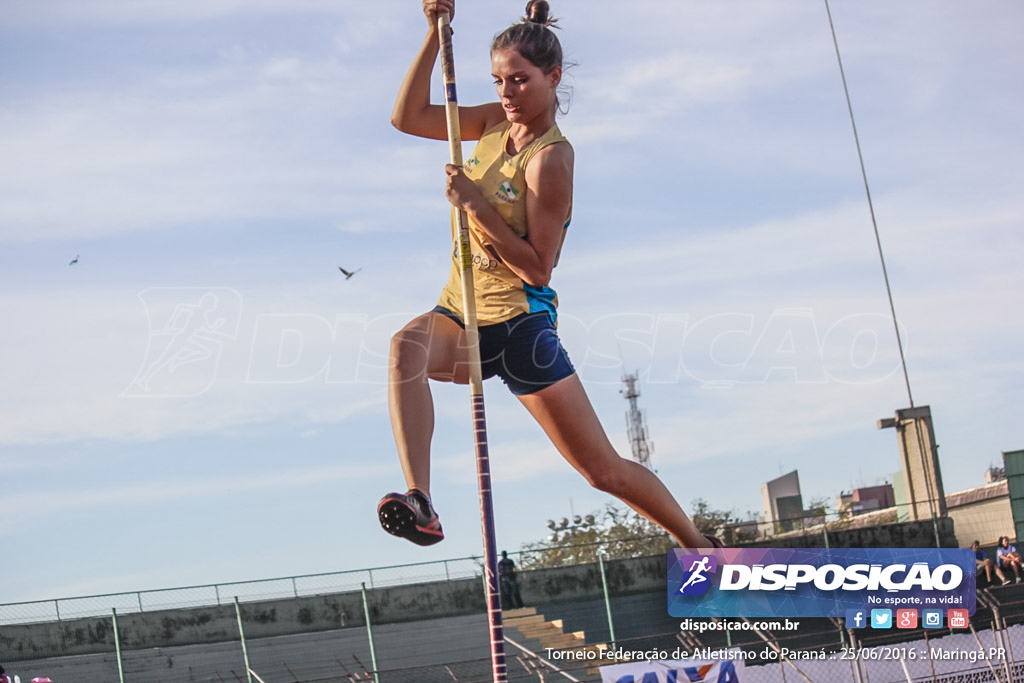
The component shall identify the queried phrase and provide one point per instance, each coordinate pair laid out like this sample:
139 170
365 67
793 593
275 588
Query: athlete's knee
421 351
611 479
409 352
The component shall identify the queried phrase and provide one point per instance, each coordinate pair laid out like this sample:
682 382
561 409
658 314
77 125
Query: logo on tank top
471 164
506 192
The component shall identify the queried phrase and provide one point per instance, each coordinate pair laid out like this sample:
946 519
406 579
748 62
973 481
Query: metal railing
216 594
737 533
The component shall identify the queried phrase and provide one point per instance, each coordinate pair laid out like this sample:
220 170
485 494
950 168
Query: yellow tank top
500 293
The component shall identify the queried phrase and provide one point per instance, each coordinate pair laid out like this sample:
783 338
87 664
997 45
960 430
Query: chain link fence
339 627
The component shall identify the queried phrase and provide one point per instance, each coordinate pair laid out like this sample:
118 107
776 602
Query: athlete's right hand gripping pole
476 385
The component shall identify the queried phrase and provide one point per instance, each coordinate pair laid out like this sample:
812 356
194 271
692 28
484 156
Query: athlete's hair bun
532 38
538 12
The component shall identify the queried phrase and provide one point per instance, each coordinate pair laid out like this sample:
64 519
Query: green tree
817 511
721 523
621 533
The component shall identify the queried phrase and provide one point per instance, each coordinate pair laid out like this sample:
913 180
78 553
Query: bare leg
568 418
431 346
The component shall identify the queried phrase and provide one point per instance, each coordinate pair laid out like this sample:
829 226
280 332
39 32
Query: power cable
871 206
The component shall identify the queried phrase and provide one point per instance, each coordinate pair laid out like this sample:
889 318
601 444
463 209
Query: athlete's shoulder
555 134
550 147
555 152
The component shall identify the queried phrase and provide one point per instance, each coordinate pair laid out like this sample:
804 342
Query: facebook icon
855 618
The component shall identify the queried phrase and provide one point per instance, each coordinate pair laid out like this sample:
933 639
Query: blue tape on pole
449 93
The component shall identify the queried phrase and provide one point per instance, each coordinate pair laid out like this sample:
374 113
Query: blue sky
213 163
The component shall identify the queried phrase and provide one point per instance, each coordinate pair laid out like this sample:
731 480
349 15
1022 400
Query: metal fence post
241 634
858 674
995 675
369 634
117 645
607 600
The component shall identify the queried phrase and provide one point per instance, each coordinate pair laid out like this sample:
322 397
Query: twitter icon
881 618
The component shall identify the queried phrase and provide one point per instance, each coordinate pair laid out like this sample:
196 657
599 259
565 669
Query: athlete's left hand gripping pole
476 384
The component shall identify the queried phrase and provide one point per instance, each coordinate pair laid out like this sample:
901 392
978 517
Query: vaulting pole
476 385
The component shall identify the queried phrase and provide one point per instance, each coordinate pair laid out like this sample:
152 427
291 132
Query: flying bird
74 260
347 273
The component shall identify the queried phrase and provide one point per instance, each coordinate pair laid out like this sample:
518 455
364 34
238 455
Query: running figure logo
188 328
698 568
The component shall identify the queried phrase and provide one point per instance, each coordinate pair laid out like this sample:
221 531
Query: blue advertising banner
819 582
675 671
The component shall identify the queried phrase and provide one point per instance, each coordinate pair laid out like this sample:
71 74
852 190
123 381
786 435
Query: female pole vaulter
516 189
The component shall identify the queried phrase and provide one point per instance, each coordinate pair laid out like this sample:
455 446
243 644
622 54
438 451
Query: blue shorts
524 352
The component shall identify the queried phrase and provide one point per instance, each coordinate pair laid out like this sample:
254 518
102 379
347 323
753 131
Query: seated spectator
982 561
1008 557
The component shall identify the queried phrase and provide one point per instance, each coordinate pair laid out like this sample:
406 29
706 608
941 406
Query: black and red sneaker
411 516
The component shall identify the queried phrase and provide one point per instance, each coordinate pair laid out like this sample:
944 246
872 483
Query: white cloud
125 12
24 507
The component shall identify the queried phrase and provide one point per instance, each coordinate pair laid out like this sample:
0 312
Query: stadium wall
390 605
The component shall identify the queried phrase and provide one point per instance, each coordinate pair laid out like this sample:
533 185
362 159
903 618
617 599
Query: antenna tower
636 424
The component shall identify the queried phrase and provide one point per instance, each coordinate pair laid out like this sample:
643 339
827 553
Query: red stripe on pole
483 470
